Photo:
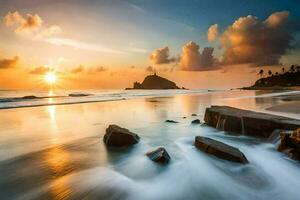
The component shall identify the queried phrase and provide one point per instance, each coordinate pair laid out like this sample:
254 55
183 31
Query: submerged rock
290 144
119 137
79 95
247 122
30 97
171 121
194 114
196 121
220 149
159 155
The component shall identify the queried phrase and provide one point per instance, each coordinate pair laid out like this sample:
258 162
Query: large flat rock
247 122
220 150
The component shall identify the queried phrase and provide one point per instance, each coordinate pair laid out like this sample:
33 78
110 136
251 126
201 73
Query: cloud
78 69
9 63
192 60
161 56
82 45
100 69
30 24
261 43
149 69
39 70
212 32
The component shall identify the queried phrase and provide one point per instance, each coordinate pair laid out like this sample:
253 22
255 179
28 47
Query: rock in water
119 137
194 114
196 121
171 121
220 149
290 143
155 82
247 122
159 155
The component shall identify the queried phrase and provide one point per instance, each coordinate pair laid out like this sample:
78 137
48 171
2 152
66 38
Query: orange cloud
192 60
30 24
161 56
249 40
9 63
78 69
212 32
39 70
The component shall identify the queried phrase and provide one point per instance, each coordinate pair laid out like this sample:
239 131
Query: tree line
292 69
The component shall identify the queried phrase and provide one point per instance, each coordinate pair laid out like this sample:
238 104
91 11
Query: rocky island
153 82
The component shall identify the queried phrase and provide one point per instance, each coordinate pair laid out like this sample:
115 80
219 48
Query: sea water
56 151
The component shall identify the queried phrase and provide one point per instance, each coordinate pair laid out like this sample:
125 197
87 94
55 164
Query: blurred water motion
56 152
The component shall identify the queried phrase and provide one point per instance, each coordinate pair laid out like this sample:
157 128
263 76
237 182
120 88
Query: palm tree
292 69
283 70
270 72
261 73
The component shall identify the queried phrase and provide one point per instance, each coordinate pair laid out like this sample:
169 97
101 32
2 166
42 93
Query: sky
109 44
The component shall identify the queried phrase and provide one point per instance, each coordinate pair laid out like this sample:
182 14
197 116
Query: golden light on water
50 78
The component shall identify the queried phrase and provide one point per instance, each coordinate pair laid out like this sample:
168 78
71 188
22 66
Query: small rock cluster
117 136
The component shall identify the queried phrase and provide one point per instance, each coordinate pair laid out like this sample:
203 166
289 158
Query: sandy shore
293 107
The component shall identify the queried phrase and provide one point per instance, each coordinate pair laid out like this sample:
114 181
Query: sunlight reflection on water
56 152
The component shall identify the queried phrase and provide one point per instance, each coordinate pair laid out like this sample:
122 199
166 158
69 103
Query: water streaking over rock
63 156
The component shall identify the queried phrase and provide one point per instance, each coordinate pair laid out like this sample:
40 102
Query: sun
50 78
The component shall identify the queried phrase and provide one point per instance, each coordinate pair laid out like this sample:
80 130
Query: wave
33 100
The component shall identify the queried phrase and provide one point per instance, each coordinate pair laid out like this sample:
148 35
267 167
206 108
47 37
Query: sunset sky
111 43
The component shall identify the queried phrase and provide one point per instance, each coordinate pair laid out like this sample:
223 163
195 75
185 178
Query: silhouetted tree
270 72
298 68
261 73
283 70
276 73
292 69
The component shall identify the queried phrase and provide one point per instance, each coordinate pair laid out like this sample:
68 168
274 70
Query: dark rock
78 95
30 97
290 143
220 149
159 155
119 137
171 121
194 114
155 82
196 121
184 117
247 122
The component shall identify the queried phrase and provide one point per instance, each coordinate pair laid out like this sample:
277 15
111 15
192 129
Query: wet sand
56 152
293 107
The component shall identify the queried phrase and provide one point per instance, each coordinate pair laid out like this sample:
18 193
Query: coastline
66 143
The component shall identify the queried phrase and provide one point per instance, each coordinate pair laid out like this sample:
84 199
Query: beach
57 151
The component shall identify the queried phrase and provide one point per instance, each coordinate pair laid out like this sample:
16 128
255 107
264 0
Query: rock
247 122
196 121
171 121
155 82
159 155
194 114
30 97
119 137
290 144
184 117
220 149
78 94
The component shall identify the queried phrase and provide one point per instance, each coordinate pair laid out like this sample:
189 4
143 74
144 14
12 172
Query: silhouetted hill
288 79
155 82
